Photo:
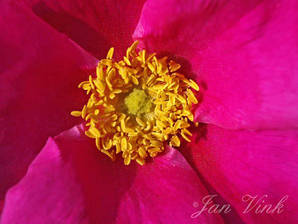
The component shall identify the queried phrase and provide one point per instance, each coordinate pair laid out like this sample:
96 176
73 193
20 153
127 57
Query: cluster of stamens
137 104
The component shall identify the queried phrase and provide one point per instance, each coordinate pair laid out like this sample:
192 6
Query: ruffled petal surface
244 164
39 73
94 25
71 182
244 55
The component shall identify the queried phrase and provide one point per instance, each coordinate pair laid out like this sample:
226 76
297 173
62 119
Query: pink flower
243 54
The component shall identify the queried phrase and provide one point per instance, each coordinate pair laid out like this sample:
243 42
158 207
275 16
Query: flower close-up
148 111
136 104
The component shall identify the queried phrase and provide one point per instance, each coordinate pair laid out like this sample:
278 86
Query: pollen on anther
137 105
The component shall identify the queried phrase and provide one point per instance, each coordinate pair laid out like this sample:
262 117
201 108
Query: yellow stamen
137 104
76 113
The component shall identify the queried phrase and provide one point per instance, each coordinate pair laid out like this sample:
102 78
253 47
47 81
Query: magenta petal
95 25
263 163
71 182
244 54
40 70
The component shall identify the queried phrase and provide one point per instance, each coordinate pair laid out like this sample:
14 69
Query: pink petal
238 163
95 25
244 54
71 182
1 207
40 70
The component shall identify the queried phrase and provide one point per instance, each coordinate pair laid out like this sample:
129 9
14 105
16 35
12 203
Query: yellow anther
110 53
135 80
108 144
142 152
191 97
143 55
148 127
89 134
97 143
134 45
84 111
137 104
186 131
109 154
127 61
83 83
94 131
86 86
118 147
193 85
127 160
140 161
140 122
99 72
106 62
123 144
91 82
175 141
152 67
185 137
76 113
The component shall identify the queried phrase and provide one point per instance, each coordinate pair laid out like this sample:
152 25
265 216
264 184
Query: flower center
137 104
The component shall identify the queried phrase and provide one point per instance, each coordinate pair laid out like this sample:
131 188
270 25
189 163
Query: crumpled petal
244 55
240 164
95 25
39 73
71 182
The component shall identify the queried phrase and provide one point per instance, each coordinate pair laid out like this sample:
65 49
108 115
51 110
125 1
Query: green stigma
138 102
